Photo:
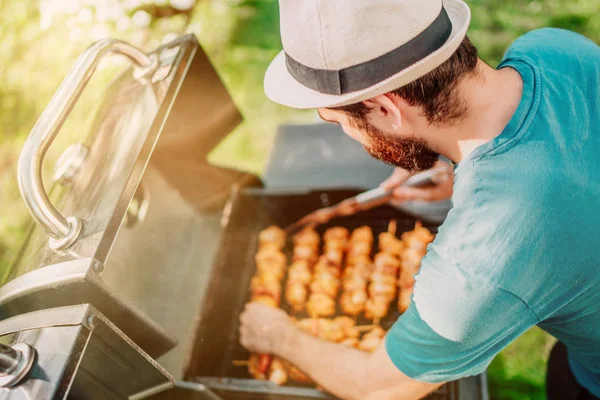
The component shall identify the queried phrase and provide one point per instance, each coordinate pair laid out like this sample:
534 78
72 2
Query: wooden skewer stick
240 363
393 226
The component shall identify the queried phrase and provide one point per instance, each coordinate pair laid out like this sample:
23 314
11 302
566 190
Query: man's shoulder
551 45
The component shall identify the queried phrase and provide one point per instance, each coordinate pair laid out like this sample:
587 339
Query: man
519 247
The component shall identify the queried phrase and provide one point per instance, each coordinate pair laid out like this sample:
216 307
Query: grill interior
216 342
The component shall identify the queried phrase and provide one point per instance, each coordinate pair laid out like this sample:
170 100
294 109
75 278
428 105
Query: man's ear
384 106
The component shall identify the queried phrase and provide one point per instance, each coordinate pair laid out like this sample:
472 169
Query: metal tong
367 200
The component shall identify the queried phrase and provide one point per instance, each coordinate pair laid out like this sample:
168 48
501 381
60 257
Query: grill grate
217 340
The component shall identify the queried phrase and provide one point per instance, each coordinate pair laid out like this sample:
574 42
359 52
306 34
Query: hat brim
282 88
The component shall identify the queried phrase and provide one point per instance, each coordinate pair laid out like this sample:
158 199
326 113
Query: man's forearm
340 370
349 373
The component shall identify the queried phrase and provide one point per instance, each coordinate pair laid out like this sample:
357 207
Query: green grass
518 372
241 37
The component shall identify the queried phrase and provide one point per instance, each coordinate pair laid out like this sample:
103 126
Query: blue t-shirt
521 245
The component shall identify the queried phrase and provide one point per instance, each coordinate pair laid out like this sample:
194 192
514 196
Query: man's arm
348 373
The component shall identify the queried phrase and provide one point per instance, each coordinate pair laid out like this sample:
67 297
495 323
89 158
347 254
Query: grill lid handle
63 231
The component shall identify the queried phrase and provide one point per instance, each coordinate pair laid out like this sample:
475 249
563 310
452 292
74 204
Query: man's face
410 153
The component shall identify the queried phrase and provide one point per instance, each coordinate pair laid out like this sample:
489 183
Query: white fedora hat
339 52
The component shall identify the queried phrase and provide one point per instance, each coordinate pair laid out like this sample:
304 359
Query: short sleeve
455 325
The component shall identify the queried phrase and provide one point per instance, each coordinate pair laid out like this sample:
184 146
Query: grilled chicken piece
299 272
389 243
407 279
270 254
359 271
335 245
353 303
371 339
386 263
265 284
348 326
335 256
411 258
325 282
404 300
306 252
272 235
382 289
336 233
416 243
325 265
307 237
354 282
383 278
362 234
277 373
418 238
296 295
320 305
274 270
258 366
330 330
357 259
376 307
361 248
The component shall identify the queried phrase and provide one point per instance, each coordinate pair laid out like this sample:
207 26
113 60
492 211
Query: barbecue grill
131 280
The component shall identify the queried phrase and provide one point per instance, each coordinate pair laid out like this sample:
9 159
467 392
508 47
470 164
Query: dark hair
434 92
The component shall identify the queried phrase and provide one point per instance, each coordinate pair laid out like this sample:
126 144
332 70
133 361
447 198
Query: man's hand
264 329
441 191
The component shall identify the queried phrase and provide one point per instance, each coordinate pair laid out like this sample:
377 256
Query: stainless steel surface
252 386
9 359
46 129
70 163
114 367
76 282
83 355
169 254
186 391
138 207
19 362
59 350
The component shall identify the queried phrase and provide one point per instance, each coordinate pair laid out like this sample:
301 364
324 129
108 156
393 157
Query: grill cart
131 280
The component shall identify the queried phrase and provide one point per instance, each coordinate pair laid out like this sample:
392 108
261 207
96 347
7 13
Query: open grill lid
165 114
95 180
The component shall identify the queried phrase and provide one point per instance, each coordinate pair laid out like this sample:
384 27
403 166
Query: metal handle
64 231
372 195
